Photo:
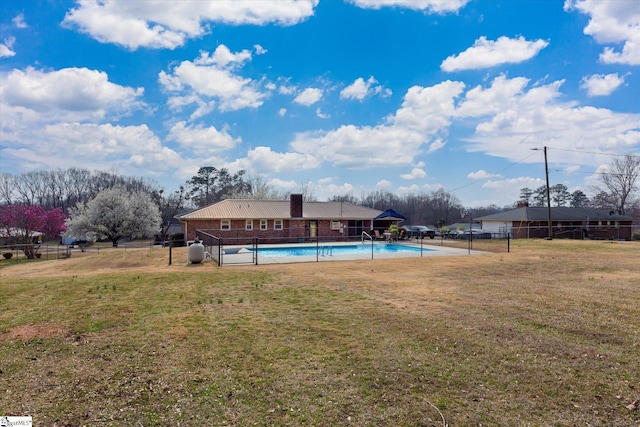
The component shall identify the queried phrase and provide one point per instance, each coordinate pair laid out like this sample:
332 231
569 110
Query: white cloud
502 93
70 94
510 118
282 112
411 189
436 145
361 148
19 21
572 169
170 23
535 117
285 185
428 109
359 89
482 174
488 53
202 140
128 149
176 103
324 192
259 49
287 89
428 6
601 84
263 160
326 180
506 191
322 115
613 22
383 183
308 96
510 188
416 173
6 48
212 77
223 58
396 143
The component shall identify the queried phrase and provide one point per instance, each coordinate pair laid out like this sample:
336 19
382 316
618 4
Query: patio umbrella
390 214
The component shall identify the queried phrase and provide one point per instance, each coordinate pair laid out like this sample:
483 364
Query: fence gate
228 253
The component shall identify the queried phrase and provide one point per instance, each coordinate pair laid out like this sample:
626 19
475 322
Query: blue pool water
379 248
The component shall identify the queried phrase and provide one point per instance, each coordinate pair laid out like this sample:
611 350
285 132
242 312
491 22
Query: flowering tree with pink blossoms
26 225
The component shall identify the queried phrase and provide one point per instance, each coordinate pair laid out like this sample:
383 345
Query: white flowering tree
114 214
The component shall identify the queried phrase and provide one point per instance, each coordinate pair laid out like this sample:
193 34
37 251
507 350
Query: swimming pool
330 250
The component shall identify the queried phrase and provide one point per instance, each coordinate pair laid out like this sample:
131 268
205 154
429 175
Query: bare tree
170 205
601 200
446 206
621 179
257 188
7 188
78 183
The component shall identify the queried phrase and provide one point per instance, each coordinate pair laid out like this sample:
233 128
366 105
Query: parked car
420 231
476 233
453 234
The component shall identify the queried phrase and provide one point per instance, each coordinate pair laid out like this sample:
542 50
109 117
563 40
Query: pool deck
231 257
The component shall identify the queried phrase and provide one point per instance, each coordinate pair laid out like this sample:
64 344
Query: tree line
72 190
65 188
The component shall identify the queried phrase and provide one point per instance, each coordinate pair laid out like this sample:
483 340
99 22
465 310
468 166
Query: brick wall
293 231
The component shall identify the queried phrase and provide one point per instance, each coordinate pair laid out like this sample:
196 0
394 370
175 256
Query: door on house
355 228
313 228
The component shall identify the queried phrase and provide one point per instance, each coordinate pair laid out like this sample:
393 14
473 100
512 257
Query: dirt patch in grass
31 331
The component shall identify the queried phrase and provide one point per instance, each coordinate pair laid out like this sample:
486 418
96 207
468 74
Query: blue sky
343 97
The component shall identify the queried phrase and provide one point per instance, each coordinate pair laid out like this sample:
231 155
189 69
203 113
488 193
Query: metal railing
227 251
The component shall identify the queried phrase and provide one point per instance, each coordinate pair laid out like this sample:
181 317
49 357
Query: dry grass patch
546 335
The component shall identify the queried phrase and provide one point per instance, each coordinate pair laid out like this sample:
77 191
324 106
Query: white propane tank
196 252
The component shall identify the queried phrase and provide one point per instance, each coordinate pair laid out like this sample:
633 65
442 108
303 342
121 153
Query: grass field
547 335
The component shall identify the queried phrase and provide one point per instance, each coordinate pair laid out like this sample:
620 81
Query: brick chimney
295 203
522 204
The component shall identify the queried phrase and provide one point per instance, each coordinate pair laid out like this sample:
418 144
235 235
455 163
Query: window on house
263 224
277 224
248 225
225 224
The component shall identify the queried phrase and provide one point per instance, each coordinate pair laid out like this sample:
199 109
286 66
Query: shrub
636 235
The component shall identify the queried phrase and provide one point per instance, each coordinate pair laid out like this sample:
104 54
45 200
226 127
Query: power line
587 173
499 171
551 170
593 152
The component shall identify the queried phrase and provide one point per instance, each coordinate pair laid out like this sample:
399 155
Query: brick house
278 221
572 223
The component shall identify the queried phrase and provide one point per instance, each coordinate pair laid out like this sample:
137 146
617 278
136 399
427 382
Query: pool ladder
327 251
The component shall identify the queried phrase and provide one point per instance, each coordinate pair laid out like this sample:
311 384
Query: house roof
279 209
557 214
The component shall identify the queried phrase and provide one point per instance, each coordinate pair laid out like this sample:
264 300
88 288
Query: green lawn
548 335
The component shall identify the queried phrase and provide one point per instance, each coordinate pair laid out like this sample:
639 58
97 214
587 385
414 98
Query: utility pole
546 171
